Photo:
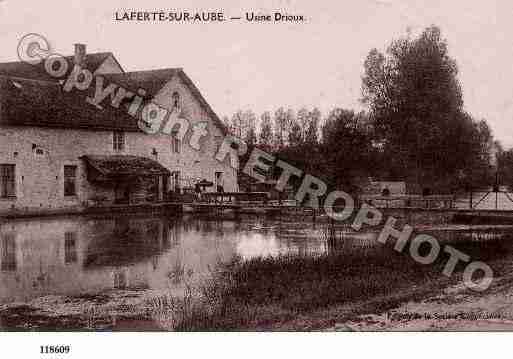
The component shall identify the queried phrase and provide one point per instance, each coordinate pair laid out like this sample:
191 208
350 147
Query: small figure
197 190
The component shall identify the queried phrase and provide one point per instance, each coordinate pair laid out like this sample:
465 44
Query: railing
249 198
411 201
258 199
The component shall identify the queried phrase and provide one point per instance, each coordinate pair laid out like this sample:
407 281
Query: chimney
80 54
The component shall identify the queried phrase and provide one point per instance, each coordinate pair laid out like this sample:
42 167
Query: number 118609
55 349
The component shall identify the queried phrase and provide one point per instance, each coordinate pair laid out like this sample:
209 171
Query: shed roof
125 166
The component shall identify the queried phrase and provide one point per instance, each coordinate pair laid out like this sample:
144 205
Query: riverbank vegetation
292 292
271 293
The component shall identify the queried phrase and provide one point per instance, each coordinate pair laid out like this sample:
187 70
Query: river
62 267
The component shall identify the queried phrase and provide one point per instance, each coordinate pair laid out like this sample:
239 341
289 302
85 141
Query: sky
262 66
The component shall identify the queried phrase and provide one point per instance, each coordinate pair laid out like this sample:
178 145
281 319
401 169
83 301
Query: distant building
385 188
58 151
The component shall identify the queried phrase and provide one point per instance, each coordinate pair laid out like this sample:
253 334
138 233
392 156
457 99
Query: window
70 247
176 144
176 100
70 181
8 259
7 181
37 150
118 141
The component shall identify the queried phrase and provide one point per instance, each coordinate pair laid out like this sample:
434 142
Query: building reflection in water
70 247
8 260
74 256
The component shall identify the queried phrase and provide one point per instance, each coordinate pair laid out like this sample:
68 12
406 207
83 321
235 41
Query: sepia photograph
266 166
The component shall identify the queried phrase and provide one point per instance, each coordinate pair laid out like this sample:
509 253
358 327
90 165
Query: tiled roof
151 80
41 102
26 102
37 72
125 166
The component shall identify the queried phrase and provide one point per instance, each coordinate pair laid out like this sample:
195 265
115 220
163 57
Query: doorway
122 194
219 182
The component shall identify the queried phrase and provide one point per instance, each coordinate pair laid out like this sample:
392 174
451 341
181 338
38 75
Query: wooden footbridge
435 208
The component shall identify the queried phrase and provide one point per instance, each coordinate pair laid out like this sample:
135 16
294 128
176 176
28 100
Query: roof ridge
65 56
145 71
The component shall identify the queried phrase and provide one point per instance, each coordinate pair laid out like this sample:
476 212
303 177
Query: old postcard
264 166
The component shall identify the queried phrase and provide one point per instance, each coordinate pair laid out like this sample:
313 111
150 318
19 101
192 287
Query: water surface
83 255
70 265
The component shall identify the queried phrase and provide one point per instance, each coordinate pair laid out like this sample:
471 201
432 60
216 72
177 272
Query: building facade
57 150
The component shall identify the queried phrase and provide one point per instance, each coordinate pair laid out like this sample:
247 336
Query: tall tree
250 131
415 102
238 124
295 134
314 120
265 137
346 149
303 120
280 128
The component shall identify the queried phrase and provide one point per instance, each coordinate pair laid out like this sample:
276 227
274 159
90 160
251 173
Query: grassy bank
264 292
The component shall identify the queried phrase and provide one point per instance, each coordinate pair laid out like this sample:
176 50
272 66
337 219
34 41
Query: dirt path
446 305
455 309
